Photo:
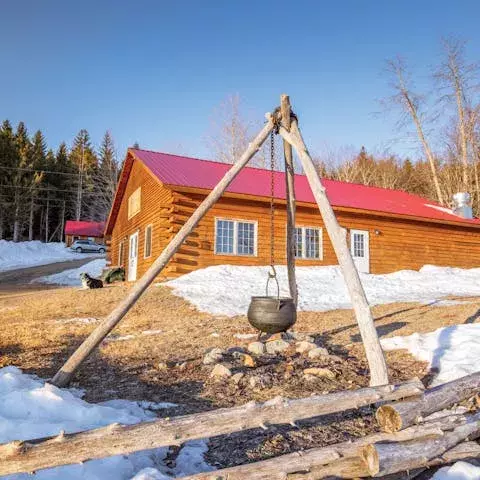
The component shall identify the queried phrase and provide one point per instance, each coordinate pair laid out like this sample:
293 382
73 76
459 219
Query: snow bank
30 254
458 471
453 351
71 277
30 408
226 289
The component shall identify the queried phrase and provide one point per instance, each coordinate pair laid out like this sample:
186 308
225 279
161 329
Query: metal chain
272 204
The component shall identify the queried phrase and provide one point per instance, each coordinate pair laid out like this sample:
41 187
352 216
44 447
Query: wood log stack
412 439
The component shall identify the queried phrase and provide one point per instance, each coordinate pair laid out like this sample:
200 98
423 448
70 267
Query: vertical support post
63 376
285 110
337 234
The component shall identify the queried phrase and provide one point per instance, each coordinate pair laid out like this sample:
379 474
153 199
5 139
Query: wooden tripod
292 137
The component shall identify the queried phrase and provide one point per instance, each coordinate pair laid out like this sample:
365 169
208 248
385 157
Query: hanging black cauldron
272 314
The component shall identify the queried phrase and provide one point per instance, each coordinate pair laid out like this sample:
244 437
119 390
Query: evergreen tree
83 156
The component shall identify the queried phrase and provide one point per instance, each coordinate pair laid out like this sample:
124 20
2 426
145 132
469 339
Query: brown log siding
398 244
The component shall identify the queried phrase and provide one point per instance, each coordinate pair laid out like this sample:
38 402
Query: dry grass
39 332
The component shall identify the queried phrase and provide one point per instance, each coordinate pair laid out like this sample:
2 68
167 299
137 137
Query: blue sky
154 71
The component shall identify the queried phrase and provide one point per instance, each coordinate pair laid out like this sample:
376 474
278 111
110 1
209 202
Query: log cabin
83 230
387 230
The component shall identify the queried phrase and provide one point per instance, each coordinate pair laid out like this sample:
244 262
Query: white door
133 257
360 248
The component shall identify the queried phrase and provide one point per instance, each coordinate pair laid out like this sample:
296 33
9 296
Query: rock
248 361
237 377
257 348
299 336
220 371
276 346
162 366
318 352
214 355
304 346
319 372
254 381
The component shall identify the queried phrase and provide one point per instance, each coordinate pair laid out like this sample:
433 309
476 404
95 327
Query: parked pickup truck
81 246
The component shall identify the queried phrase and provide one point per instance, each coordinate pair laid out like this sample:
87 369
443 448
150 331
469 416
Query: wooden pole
63 376
397 416
115 439
371 342
286 110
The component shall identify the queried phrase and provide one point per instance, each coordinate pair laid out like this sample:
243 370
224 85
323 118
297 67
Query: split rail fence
408 440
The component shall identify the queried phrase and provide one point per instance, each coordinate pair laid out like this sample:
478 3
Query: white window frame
235 222
149 226
131 213
304 236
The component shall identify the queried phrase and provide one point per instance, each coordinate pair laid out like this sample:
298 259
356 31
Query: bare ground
156 354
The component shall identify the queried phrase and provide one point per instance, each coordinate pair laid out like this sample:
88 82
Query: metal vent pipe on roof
462 205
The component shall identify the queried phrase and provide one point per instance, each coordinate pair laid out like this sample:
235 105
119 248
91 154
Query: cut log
337 234
318 462
63 376
386 458
397 416
18 457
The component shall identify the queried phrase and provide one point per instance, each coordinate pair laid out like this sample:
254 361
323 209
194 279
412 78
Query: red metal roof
205 174
90 229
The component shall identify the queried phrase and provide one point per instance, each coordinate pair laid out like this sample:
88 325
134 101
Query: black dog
90 282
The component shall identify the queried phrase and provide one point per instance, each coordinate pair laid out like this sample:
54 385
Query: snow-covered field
226 289
453 351
31 254
30 408
71 277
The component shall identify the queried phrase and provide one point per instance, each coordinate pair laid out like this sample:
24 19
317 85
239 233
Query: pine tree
105 179
83 156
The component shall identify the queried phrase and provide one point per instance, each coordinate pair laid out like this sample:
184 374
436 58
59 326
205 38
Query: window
148 241
235 237
358 245
120 254
134 203
308 242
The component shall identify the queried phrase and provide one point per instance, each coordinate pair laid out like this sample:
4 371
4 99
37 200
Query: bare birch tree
410 105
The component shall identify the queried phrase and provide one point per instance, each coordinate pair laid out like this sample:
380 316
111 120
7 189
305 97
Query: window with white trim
308 242
134 203
235 237
148 242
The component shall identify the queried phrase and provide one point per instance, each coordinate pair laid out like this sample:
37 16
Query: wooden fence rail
118 439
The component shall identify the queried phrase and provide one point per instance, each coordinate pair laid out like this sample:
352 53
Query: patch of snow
15 255
71 277
31 408
453 351
227 289
86 320
156 405
119 338
458 471
440 209
152 332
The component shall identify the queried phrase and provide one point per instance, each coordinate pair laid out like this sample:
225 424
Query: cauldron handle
273 274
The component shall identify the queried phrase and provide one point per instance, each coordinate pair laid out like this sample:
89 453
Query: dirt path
16 281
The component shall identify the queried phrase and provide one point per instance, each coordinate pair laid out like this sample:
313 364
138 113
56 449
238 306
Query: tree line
443 121
41 188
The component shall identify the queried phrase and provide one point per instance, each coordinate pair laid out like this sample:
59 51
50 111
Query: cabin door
133 257
360 248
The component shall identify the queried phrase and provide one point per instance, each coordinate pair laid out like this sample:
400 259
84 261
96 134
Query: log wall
395 243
